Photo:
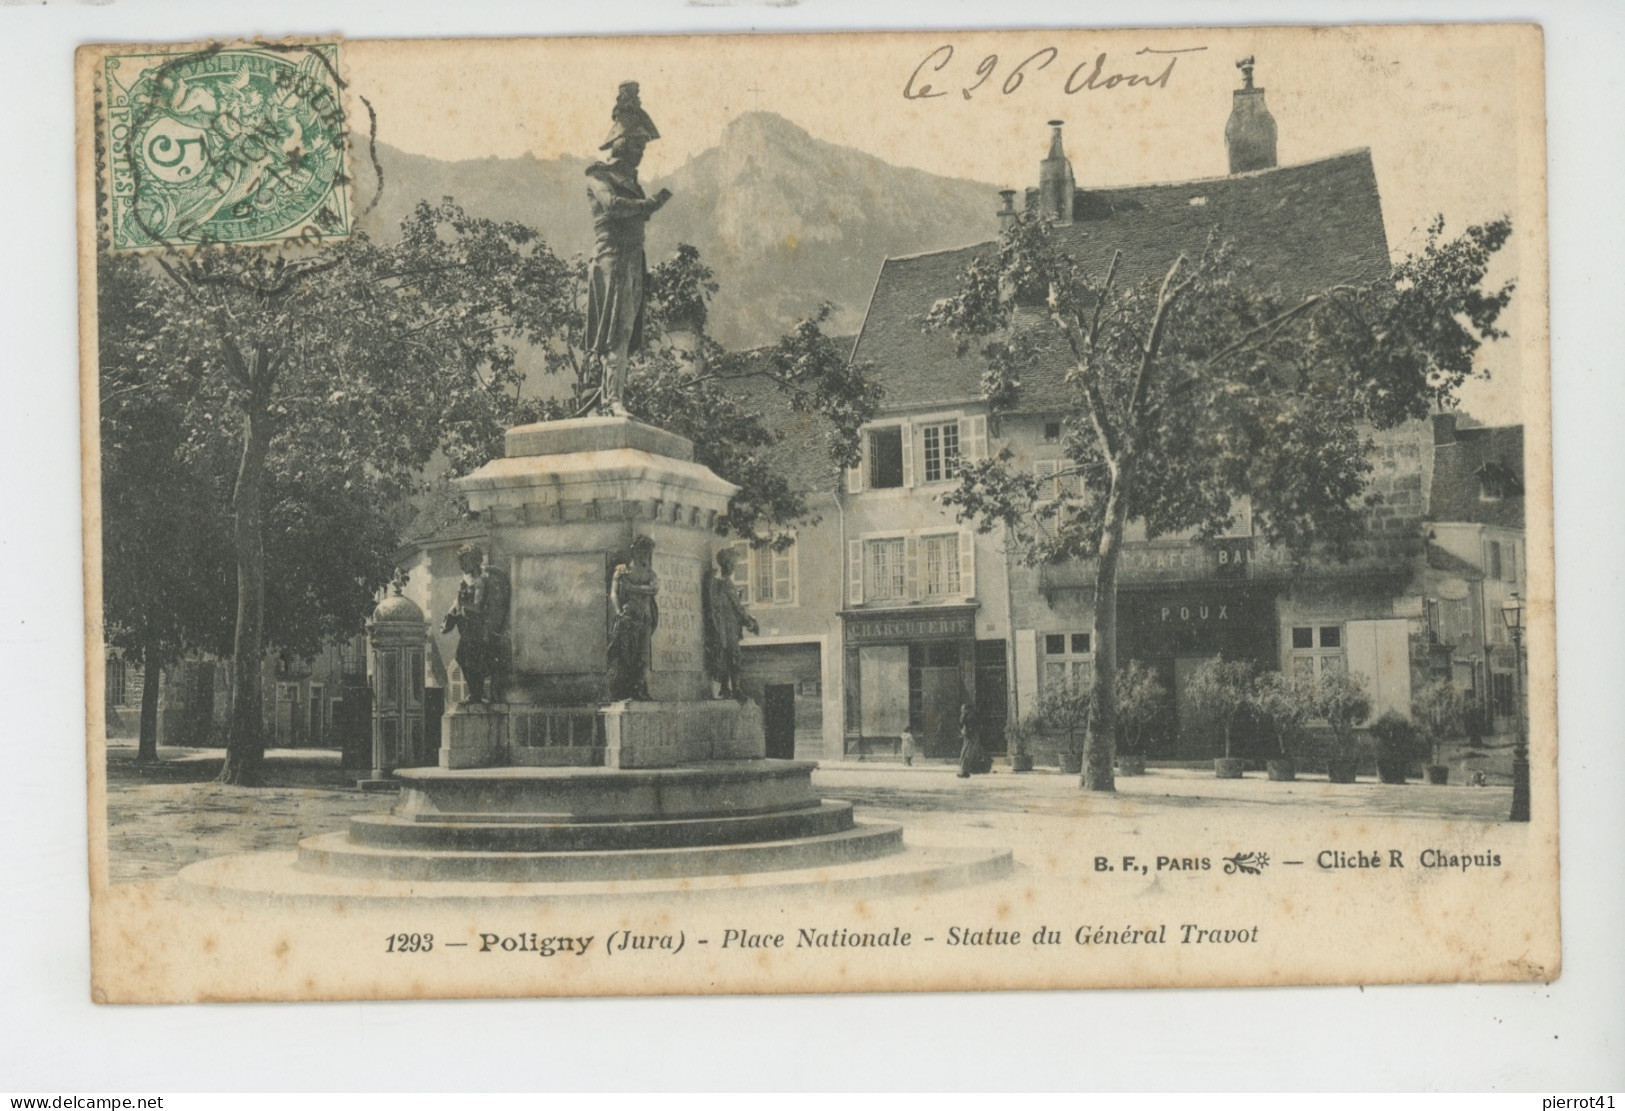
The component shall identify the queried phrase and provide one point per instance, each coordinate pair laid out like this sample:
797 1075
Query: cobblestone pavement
164 817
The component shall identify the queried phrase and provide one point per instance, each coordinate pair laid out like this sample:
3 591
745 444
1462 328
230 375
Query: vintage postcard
819 513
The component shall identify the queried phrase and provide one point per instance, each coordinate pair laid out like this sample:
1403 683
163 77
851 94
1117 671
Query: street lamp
1512 614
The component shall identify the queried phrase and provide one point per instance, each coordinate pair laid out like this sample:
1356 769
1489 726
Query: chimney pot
1249 134
1056 185
1007 210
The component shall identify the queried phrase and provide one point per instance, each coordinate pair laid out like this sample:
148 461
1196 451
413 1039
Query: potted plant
1439 710
1281 707
1140 700
1065 711
1340 699
1397 747
1222 689
1019 736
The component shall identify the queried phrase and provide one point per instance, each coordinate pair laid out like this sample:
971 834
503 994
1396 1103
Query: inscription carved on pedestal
679 636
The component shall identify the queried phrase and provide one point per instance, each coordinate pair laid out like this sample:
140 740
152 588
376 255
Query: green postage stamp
241 144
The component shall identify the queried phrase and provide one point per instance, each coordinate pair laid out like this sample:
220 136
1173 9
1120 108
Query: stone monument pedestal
670 734
474 735
560 509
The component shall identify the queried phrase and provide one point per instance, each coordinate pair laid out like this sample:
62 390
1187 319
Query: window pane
1303 668
933 452
1054 677
1303 637
886 578
886 458
782 580
1080 642
1331 636
1331 665
1055 644
762 575
1052 432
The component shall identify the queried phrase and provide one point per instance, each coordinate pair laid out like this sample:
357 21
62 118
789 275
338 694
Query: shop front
1176 629
908 669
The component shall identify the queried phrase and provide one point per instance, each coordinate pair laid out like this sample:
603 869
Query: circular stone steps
337 854
392 831
271 878
735 827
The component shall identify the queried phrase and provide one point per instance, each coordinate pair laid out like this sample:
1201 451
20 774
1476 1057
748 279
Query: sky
1450 114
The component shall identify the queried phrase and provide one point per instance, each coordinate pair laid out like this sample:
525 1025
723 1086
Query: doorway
779 720
936 692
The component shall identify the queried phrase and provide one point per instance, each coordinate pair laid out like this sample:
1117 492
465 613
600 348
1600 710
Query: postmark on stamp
240 144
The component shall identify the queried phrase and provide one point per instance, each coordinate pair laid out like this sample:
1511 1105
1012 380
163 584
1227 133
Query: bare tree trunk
147 744
245 738
1100 746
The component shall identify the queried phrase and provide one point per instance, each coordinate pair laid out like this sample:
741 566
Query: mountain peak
763 127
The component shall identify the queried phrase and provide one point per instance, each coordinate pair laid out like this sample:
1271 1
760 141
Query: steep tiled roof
1460 471
1301 228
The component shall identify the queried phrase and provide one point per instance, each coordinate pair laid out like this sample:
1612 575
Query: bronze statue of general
615 291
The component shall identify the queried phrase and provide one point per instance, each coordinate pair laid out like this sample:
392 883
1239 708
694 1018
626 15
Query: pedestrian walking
973 758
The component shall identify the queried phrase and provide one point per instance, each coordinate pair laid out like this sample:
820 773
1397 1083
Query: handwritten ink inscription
1153 69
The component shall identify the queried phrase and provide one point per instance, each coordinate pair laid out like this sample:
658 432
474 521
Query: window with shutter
940 570
888 465
973 439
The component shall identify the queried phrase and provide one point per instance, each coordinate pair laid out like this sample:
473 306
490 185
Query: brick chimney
1055 182
1007 209
1444 429
1249 135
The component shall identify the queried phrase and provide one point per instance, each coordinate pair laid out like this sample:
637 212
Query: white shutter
973 439
911 567
907 432
967 564
1045 469
743 557
1379 652
784 576
1026 645
854 475
854 572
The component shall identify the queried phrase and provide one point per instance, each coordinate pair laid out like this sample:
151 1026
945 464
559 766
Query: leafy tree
1439 709
1187 392
1224 689
1141 702
166 555
1064 710
1282 706
339 371
1342 700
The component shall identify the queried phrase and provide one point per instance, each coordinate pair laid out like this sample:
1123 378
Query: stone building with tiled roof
924 615
1476 521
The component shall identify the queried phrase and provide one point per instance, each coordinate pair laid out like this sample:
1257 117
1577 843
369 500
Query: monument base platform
273 878
512 832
